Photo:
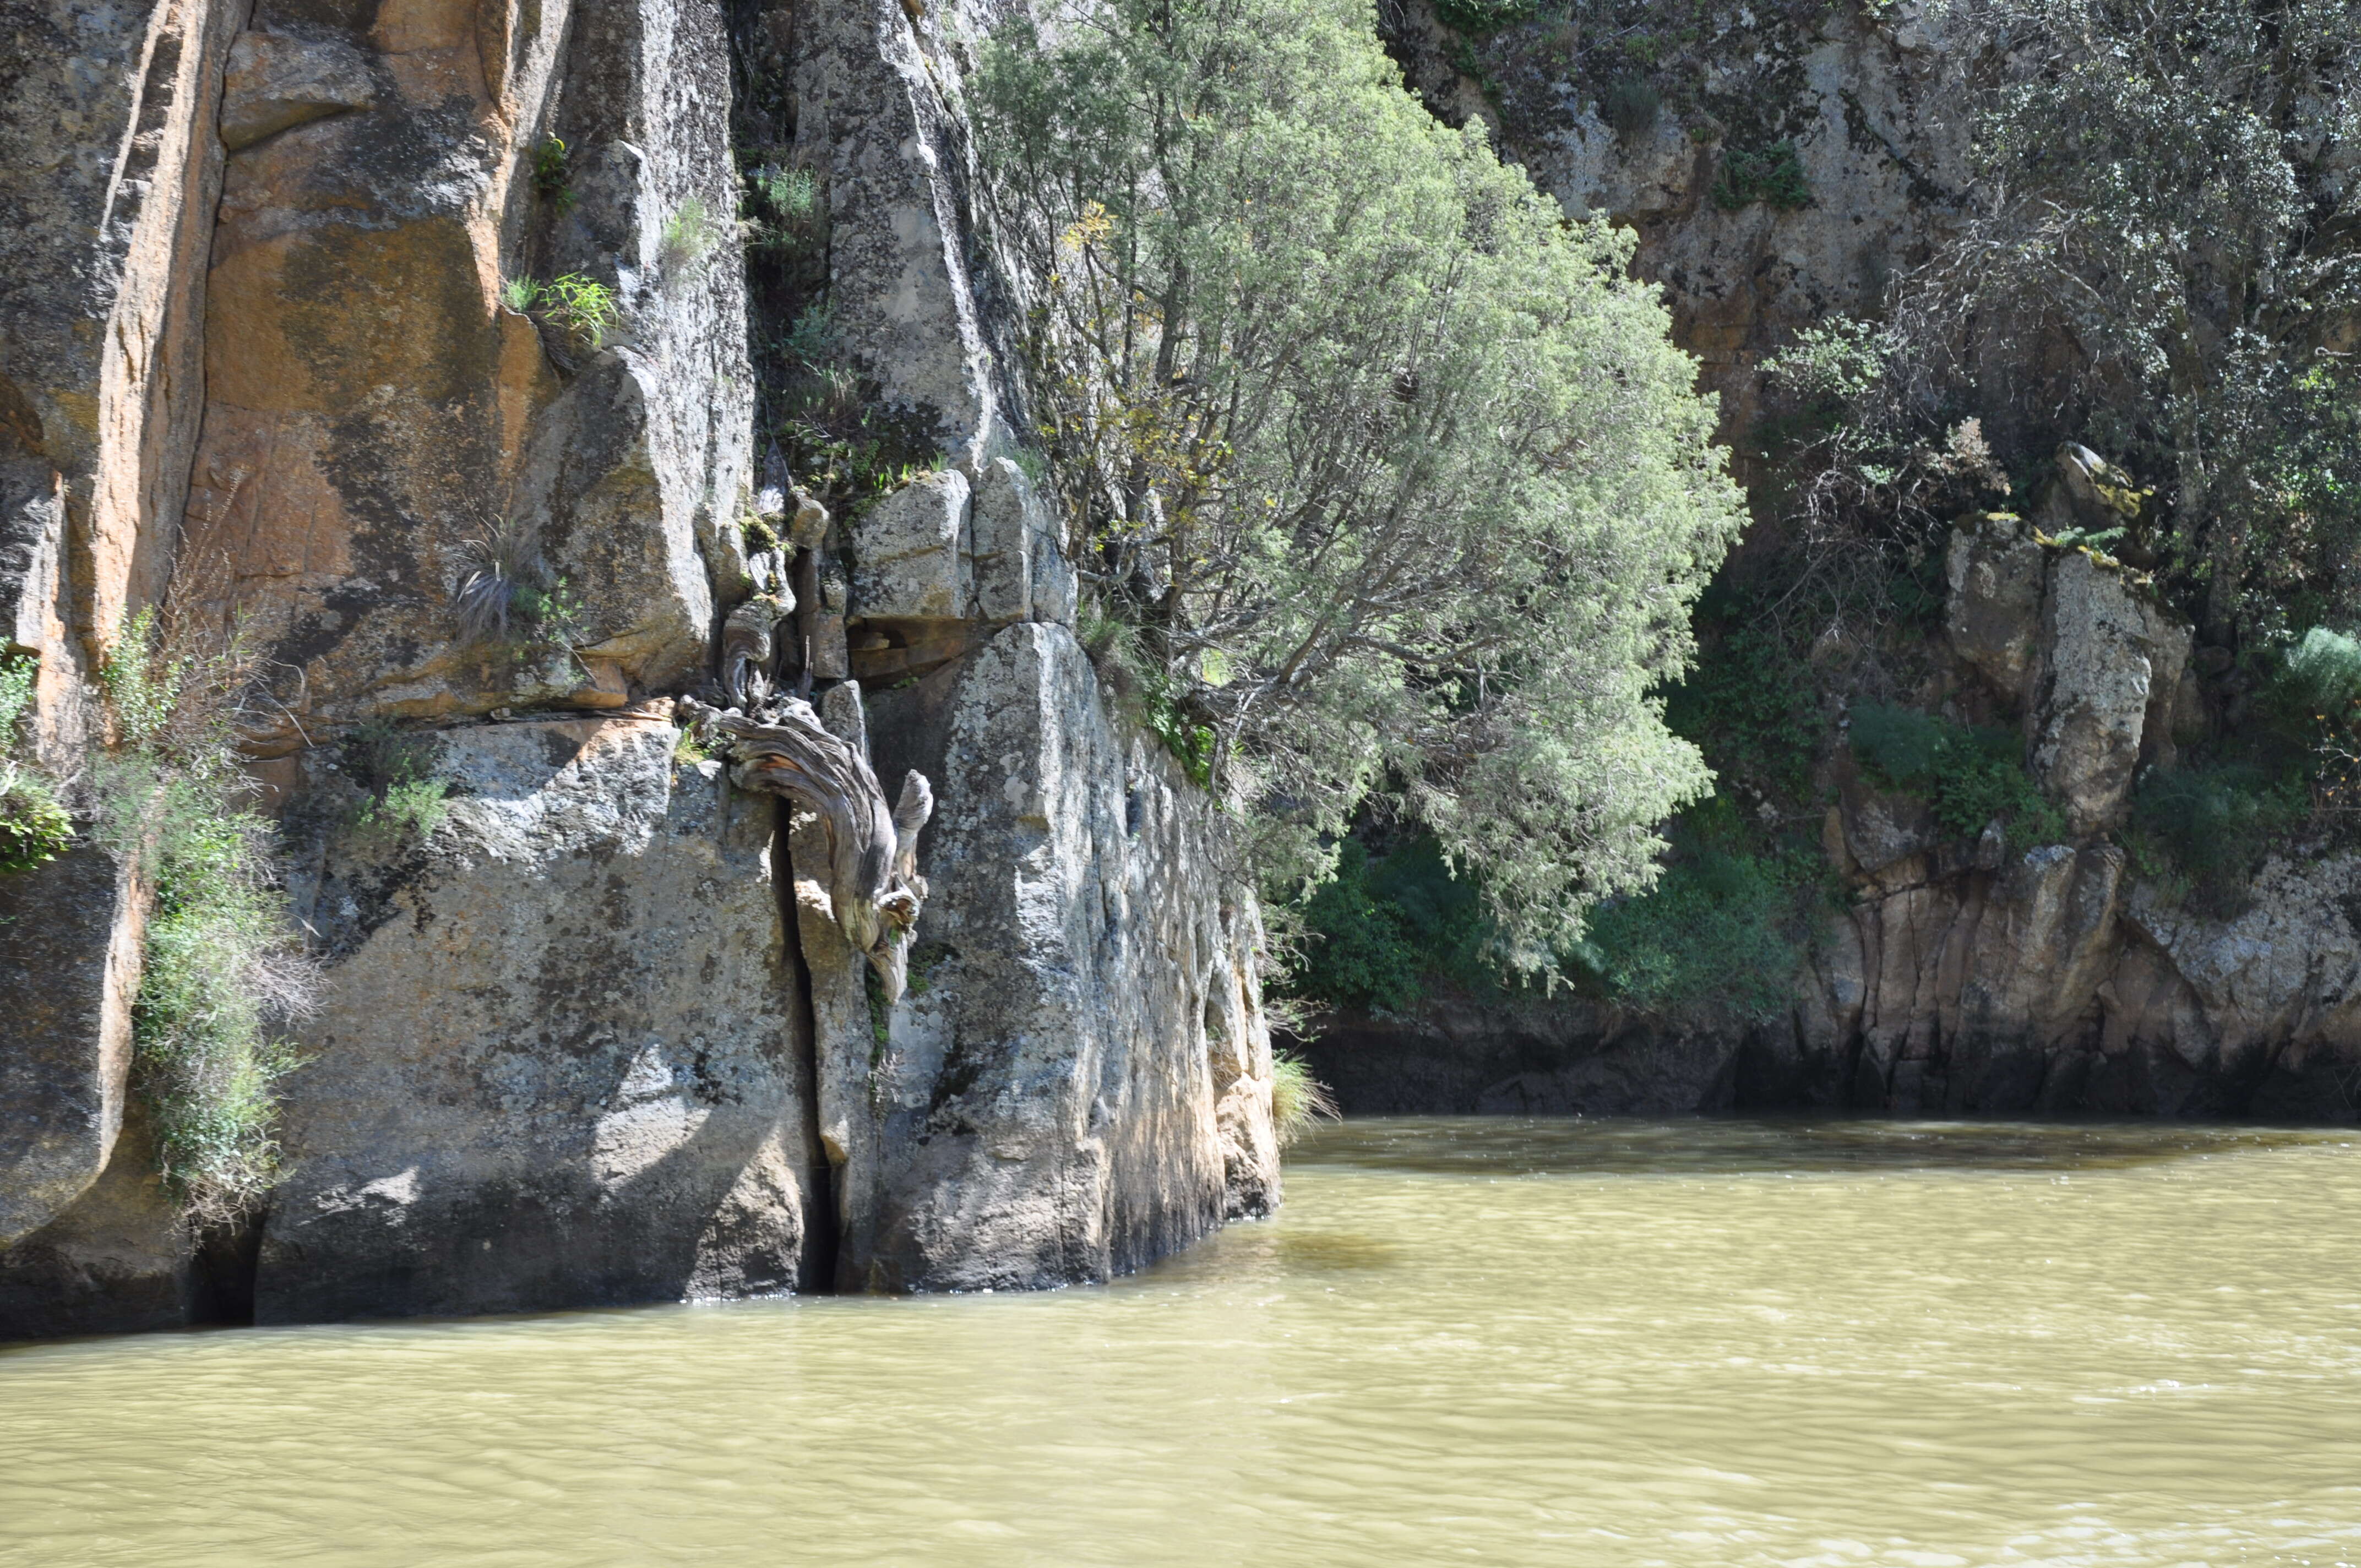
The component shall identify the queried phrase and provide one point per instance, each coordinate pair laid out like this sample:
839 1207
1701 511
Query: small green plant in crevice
1773 176
783 212
760 537
395 769
1972 777
1297 1100
577 314
508 595
223 967
35 826
685 748
550 175
689 236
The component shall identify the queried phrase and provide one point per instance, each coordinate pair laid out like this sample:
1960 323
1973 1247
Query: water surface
1484 1341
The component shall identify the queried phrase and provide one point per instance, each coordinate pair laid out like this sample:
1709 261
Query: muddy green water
1466 1342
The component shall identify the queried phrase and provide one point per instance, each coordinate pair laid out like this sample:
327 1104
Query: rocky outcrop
70 937
1047 1103
1776 162
593 1031
1968 975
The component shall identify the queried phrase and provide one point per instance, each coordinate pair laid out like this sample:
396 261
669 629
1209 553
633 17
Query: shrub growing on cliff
395 767
2156 256
1297 1100
33 824
1395 471
222 965
1974 777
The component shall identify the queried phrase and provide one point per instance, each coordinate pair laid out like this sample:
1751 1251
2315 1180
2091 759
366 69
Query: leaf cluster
1972 776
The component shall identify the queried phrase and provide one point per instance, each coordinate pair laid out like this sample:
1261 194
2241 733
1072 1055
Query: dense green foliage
1755 708
2155 259
1972 776
34 824
1721 926
1394 469
2200 830
1480 17
2322 672
222 968
1387 929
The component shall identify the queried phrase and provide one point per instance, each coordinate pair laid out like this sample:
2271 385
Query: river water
1496 1342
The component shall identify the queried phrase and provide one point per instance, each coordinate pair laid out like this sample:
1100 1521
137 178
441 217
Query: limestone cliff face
585 1040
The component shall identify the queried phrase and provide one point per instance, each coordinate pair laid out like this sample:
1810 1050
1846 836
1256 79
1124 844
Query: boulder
1996 573
276 82
1011 525
2110 660
871 116
910 551
117 1259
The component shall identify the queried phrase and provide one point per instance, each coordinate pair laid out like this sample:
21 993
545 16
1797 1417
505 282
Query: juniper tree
1390 475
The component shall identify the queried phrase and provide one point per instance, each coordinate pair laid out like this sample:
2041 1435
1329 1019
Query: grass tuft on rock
1297 1098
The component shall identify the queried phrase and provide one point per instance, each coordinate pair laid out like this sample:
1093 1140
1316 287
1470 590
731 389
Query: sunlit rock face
1077 1080
561 1059
273 350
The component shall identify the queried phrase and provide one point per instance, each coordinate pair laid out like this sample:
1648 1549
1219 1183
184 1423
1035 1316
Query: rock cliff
1778 163
1967 974
342 323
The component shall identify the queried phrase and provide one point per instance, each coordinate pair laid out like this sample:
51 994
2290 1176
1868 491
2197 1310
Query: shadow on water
1502 1147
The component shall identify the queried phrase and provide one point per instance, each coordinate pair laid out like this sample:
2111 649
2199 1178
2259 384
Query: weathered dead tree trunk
873 887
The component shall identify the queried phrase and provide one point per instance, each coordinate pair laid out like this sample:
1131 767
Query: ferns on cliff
1395 473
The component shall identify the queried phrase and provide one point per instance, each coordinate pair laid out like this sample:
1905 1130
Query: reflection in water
1499 1342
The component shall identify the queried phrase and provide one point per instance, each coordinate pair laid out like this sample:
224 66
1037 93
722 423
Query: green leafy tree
1394 470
